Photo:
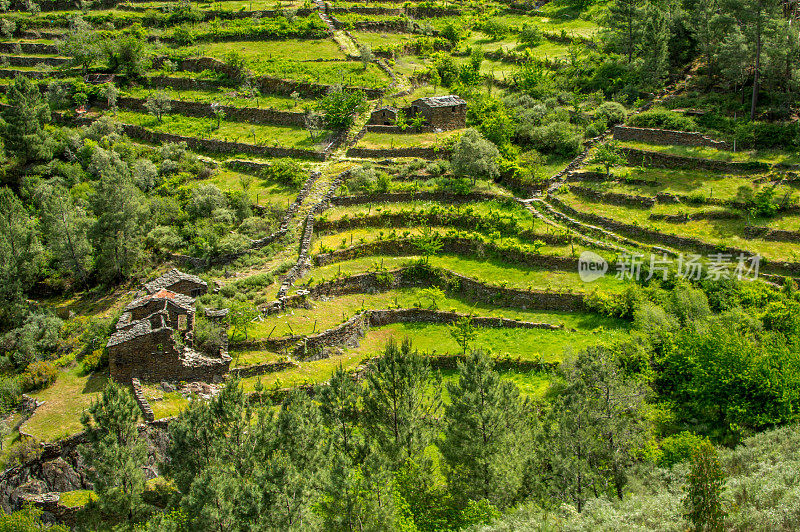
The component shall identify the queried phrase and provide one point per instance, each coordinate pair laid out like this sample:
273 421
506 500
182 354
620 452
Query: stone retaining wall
395 130
218 146
412 218
454 283
405 197
667 137
261 369
771 235
28 48
455 245
674 241
32 61
656 159
614 198
138 395
702 215
377 153
252 115
179 83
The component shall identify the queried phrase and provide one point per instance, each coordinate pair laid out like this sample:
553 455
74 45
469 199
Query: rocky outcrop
61 468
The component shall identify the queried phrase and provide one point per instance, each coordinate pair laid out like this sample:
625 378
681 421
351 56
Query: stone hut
385 116
441 112
154 340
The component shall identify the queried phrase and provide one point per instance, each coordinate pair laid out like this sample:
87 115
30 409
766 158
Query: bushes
287 172
209 337
612 112
768 134
560 138
9 393
663 119
37 376
679 448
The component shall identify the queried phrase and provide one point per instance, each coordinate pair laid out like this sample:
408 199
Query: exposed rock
60 476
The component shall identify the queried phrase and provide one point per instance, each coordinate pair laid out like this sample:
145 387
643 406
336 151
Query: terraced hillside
345 176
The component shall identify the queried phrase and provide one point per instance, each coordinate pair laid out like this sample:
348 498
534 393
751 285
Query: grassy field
722 232
684 182
261 191
226 96
405 140
339 309
290 49
64 402
259 134
491 271
527 344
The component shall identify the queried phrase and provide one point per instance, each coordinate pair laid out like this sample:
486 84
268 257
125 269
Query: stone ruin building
443 113
154 340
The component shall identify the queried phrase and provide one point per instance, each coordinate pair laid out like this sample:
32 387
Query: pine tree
402 403
65 226
118 233
25 118
482 444
595 427
708 28
755 18
115 454
654 42
704 488
20 254
625 19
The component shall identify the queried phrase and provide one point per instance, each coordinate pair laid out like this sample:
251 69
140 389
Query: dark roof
142 327
180 300
170 278
440 101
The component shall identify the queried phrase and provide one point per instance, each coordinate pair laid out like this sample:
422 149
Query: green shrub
663 119
9 393
613 113
208 335
560 138
286 171
768 134
95 360
38 375
679 448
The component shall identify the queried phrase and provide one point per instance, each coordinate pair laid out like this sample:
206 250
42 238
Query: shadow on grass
95 383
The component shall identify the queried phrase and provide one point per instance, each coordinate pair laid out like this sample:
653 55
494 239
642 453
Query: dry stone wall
261 369
218 146
375 153
455 245
406 197
252 115
614 198
667 137
411 218
141 400
656 159
771 235
674 241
